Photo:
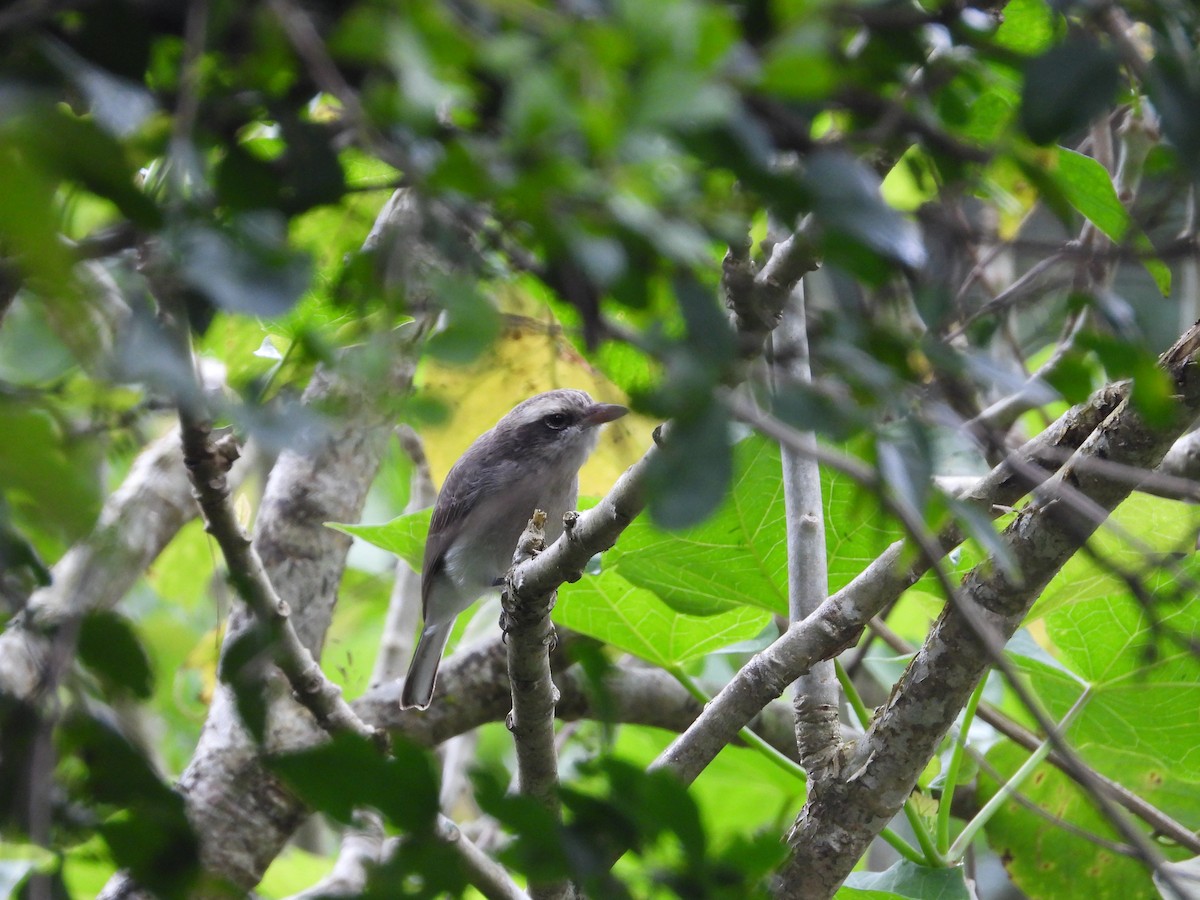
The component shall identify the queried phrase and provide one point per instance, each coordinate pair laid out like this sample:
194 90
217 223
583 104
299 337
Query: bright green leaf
1089 188
609 608
403 535
739 555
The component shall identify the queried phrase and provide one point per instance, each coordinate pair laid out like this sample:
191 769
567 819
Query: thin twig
208 462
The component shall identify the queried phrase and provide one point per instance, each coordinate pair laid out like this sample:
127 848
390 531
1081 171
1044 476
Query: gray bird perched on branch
529 460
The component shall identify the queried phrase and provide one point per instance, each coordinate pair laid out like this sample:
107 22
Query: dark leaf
79 150
1153 394
472 322
17 554
708 332
1174 86
244 181
847 201
905 461
422 868
157 846
152 837
242 667
1066 87
246 268
539 849
349 771
313 175
691 472
806 407
110 648
20 728
118 104
1073 377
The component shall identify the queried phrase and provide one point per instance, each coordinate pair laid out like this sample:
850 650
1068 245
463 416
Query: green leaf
110 647
1153 392
1173 88
151 836
1044 859
798 67
292 871
911 881
404 535
1028 26
1169 527
1066 87
81 151
739 555
50 478
242 665
1090 190
610 609
1144 686
18 861
688 477
738 793
247 267
471 325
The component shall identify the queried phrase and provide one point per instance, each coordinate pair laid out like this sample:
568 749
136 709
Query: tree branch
208 462
529 636
1019 734
136 523
818 732
836 825
242 812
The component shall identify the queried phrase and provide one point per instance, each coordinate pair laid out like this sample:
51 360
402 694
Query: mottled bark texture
842 817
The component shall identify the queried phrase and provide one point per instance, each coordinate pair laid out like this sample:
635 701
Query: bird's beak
601 413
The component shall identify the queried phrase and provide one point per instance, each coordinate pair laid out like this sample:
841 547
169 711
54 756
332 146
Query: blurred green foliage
602 155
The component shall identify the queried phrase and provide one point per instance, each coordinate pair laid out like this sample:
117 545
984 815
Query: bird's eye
557 421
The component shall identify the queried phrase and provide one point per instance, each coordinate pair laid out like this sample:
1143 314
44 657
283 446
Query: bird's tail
422 671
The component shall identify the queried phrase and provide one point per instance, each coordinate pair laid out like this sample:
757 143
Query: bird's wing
459 494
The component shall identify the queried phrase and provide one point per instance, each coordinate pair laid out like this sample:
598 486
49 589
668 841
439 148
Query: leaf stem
952 769
963 841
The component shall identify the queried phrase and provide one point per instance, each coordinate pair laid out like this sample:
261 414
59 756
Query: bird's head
556 426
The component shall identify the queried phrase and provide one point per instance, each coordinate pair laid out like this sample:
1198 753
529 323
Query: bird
529 460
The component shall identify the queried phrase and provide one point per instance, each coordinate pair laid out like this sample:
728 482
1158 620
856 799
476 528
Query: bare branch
241 810
485 874
818 733
208 463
